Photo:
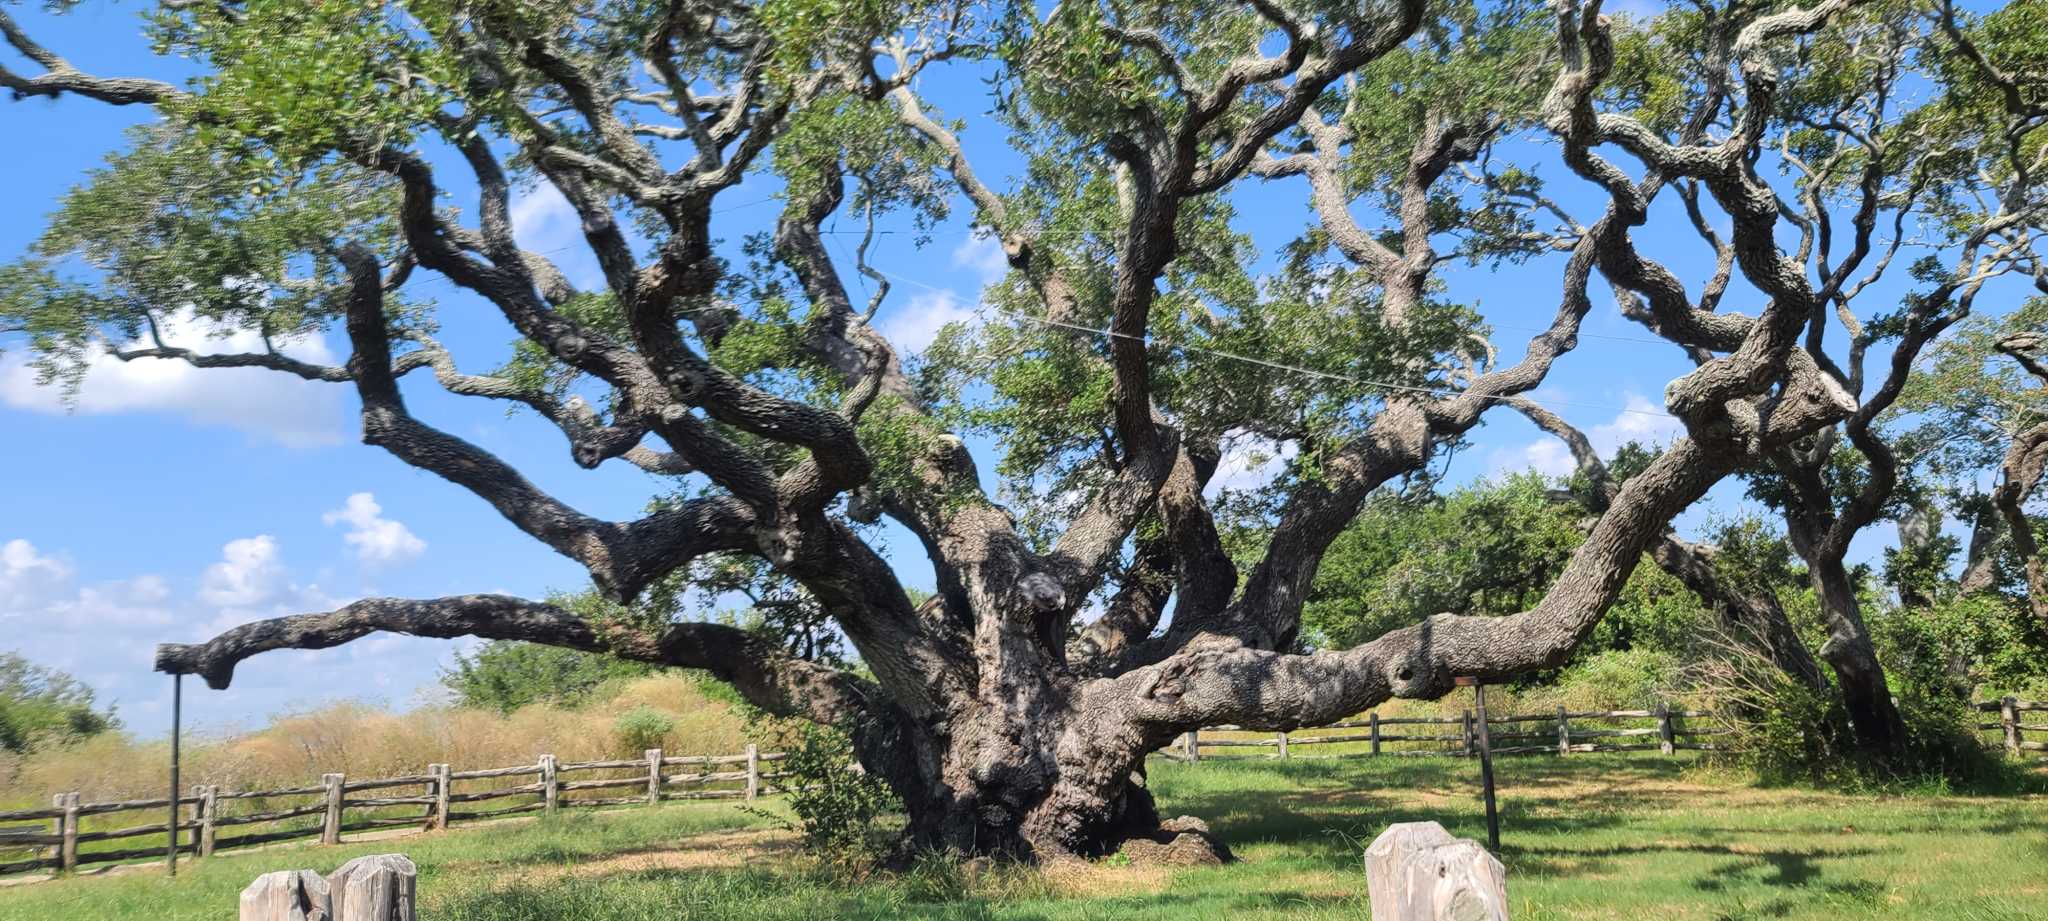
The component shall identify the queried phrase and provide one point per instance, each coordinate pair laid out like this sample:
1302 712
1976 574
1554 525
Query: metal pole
177 705
1486 771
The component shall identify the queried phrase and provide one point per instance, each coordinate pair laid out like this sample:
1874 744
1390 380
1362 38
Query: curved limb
768 678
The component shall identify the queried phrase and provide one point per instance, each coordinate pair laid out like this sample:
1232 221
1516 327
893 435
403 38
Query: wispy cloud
378 541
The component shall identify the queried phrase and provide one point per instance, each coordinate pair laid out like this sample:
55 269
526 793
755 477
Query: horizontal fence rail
1560 732
212 818
2012 724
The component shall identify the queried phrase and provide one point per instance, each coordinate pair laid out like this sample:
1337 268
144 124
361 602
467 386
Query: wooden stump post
1373 720
288 895
753 771
209 811
1415 871
68 857
438 817
1564 733
381 887
330 824
550 787
2009 716
1465 729
653 776
1281 740
1665 738
1194 746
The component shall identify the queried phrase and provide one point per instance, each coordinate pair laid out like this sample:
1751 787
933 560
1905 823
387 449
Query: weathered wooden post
1194 745
653 776
2009 716
1415 871
288 895
68 857
1564 733
753 771
438 818
1281 740
1665 737
550 787
1373 720
381 887
330 824
209 810
1485 763
1465 729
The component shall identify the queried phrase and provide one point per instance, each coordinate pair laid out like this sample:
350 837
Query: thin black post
1485 764
177 705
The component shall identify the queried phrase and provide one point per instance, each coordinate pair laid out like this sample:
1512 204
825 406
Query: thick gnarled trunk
1875 720
1061 784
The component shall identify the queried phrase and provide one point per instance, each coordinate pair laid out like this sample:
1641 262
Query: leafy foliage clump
838 807
41 707
507 675
642 728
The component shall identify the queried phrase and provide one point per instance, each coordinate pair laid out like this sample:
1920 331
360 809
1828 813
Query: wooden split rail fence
2009 722
433 800
1566 732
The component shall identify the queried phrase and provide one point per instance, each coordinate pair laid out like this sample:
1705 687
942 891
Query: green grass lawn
1586 837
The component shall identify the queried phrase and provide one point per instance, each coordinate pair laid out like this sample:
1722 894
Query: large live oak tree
297 186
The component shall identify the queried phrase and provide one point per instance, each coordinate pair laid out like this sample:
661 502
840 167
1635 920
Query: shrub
1786 732
837 806
1619 679
505 675
642 728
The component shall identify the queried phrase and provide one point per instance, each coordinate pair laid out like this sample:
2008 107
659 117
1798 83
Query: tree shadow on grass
1790 867
1332 816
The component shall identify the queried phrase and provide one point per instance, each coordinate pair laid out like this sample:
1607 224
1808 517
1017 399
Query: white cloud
249 574
28 577
913 326
984 255
544 222
1249 461
136 602
288 409
379 541
1638 420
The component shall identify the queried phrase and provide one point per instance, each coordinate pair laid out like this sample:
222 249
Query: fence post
1564 733
330 825
1283 744
1194 746
1373 719
2009 716
753 771
437 812
550 787
1665 736
653 776
209 809
68 858
1465 729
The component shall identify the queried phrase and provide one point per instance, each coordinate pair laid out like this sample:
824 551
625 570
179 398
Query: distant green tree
504 675
42 706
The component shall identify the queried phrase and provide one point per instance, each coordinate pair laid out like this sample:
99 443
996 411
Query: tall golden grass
366 741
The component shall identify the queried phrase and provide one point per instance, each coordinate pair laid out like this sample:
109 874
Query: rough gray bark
1751 616
2021 472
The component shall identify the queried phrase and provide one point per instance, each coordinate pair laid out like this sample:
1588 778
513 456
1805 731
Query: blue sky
170 503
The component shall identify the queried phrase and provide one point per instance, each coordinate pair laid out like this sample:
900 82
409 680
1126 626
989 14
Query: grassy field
1587 837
